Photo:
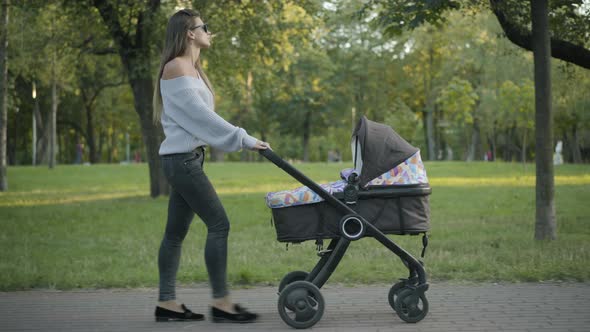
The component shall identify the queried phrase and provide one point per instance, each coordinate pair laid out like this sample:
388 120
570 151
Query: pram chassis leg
413 265
324 268
316 270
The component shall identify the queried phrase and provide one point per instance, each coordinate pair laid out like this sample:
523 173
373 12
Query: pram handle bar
281 163
345 210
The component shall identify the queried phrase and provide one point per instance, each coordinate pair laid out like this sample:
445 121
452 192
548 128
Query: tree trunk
545 221
102 136
511 147
12 143
429 112
152 136
53 124
575 146
524 143
430 134
38 134
306 135
43 137
4 96
493 141
245 154
216 155
62 141
90 137
474 150
135 55
110 144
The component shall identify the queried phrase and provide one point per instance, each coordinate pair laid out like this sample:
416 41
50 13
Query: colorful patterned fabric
411 171
301 195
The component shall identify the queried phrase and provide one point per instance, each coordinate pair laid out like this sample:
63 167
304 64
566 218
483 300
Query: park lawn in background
95 226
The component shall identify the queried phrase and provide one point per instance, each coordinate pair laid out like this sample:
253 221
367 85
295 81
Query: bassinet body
392 185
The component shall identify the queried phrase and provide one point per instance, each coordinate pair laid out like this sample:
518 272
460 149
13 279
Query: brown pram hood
381 149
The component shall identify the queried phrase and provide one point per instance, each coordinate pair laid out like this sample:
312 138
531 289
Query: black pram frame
301 305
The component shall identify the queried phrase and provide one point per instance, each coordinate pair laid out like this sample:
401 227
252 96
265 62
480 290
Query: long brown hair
175 45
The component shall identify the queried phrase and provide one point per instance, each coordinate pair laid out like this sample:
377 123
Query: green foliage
397 16
274 63
517 104
568 19
402 120
457 100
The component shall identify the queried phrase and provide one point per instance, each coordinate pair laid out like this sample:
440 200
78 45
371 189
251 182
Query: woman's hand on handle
260 145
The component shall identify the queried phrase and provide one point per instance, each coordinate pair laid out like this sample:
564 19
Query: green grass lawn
95 226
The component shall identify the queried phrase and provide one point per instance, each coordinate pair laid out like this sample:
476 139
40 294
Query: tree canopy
297 74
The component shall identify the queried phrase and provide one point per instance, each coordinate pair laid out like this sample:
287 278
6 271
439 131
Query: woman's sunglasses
204 26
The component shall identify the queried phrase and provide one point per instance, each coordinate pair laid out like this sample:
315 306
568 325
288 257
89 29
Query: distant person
331 156
137 157
184 105
334 156
557 156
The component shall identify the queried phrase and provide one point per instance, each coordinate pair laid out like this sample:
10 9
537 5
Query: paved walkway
482 307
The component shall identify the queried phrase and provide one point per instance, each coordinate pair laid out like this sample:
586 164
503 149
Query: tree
569 43
516 105
132 27
94 76
572 103
306 97
3 94
568 21
257 40
458 102
545 223
569 26
44 59
432 55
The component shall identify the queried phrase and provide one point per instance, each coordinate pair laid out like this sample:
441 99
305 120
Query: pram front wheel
411 305
398 287
292 277
394 292
301 305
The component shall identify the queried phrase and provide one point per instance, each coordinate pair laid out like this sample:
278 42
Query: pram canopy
380 149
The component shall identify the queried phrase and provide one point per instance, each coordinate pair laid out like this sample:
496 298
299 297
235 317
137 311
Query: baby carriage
385 193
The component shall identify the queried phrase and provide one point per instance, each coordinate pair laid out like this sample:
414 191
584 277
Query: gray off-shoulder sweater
189 119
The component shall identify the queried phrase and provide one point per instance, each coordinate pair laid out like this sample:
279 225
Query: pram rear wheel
292 277
301 305
411 306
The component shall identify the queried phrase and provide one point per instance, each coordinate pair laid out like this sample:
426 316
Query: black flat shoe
165 315
241 316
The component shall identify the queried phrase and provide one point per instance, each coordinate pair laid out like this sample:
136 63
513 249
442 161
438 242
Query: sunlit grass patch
513 181
66 198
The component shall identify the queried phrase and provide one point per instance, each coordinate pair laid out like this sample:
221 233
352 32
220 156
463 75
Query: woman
184 104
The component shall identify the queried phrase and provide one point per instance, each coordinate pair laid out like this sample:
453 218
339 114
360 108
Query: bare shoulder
176 68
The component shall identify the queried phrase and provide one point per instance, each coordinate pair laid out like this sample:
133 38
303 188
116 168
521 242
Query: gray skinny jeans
192 193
